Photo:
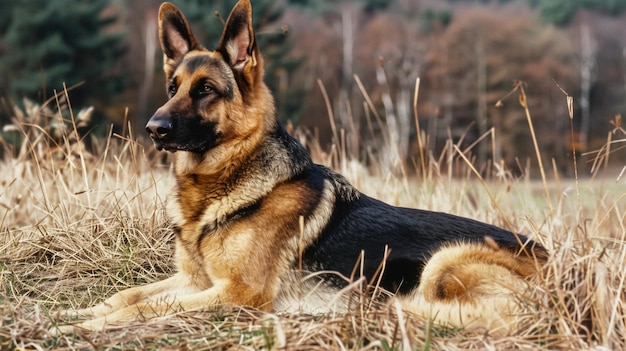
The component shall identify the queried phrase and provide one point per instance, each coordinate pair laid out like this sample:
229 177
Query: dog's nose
159 127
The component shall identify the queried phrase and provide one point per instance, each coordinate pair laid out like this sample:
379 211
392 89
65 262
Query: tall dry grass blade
378 275
420 143
81 149
488 133
329 111
104 158
406 343
523 102
570 111
372 108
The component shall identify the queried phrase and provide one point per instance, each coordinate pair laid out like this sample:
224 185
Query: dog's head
215 98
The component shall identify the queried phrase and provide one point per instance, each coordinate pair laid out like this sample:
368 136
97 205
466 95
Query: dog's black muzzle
160 127
172 132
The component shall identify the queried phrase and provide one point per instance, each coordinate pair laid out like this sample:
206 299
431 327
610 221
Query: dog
258 224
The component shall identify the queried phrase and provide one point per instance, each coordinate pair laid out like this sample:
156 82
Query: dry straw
78 225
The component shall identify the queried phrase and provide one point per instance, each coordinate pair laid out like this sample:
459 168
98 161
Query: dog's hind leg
471 285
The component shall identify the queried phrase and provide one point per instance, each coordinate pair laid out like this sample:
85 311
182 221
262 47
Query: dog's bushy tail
473 285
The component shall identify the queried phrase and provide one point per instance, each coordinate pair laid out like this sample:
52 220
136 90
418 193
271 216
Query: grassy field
75 227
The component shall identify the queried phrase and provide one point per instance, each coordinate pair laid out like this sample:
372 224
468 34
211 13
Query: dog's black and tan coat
252 213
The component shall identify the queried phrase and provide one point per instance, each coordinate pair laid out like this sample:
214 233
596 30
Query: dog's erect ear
238 45
175 36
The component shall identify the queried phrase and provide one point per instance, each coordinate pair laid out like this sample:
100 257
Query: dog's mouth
166 147
174 147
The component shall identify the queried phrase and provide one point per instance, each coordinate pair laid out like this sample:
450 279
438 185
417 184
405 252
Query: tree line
467 54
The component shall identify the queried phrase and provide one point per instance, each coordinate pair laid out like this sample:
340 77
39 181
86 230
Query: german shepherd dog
258 224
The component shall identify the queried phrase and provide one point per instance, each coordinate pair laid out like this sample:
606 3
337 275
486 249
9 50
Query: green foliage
481 1
331 6
316 6
432 19
207 20
47 43
560 12
376 5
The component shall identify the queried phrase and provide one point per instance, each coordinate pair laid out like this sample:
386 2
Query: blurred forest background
468 54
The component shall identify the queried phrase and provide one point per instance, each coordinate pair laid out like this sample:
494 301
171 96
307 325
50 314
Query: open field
75 227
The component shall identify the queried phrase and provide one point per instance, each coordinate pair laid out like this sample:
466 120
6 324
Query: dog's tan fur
243 214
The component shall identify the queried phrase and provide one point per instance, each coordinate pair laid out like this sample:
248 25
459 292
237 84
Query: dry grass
75 227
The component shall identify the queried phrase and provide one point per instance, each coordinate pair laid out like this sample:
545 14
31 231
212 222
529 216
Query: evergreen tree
47 43
561 11
432 18
330 6
376 5
207 19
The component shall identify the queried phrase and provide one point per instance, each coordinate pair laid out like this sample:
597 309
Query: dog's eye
171 89
206 89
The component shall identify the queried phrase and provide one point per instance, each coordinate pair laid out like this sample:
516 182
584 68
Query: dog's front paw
93 325
97 311
61 330
69 316
83 313
72 314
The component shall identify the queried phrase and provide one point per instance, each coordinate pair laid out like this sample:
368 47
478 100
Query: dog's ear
175 36
238 44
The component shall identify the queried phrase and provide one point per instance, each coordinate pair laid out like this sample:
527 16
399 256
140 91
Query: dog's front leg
177 284
127 304
227 294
